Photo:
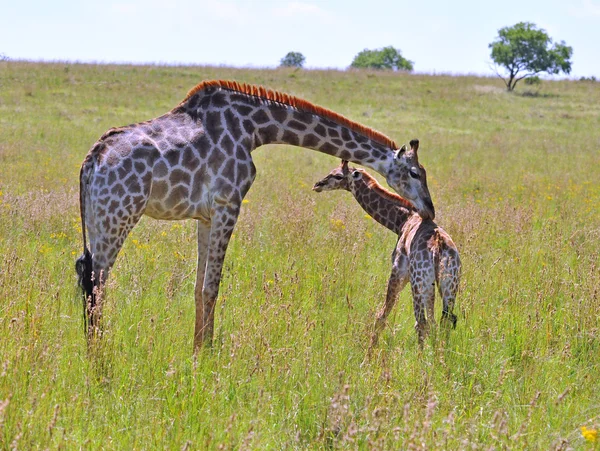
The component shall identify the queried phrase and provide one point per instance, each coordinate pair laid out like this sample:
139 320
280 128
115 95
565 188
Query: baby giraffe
424 254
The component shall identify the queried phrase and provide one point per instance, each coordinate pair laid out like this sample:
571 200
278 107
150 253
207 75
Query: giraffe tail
83 265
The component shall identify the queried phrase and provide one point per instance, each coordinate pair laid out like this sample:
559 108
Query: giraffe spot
360 155
241 153
260 117
290 138
160 189
214 125
279 114
320 130
118 190
242 173
193 101
180 176
226 144
310 141
224 189
244 110
233 124
296 125
179 192
139 167
133 184
113 206
351 145
269 134
144 154
345 155
229 169
172 157
160 169
138 202
248 126
333 133
189 159
200 178
215 159
346 135
338 142
331 149
219 99
179 209
236 97
303 116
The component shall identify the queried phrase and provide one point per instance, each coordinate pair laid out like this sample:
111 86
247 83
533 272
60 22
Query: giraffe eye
413 173
338 177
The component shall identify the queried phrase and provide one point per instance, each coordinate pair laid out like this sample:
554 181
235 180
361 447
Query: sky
439 36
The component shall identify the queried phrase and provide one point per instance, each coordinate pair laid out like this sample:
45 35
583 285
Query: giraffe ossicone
195 162
425 254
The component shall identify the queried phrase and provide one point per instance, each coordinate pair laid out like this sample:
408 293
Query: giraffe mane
373 184
295 102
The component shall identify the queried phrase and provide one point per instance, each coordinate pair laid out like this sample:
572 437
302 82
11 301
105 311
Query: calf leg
396 283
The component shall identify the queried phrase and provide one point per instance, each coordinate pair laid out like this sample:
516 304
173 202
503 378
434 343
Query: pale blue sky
440 36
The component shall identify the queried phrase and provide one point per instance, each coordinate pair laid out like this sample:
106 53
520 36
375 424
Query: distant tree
385 58
3 57
524 51
293 59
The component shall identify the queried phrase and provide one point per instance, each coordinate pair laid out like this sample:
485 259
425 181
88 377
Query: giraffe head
409 179
339 178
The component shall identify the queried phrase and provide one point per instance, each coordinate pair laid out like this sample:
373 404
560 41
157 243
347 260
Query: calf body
425 254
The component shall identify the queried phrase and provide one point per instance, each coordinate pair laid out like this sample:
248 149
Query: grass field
516 182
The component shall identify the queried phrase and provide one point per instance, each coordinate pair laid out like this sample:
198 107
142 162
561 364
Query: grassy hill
516 182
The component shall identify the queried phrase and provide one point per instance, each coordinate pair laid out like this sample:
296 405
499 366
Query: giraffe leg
107 235
203 240
448 282
423 291
222 224
396 283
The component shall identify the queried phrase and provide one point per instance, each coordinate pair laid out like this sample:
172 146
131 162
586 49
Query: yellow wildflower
591 435
245 201
338 224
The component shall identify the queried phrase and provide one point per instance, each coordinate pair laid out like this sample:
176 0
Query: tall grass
516 182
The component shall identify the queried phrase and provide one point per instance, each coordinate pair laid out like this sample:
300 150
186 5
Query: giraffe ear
400 151
356 175
414 145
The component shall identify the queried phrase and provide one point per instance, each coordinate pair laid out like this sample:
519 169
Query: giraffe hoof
449 317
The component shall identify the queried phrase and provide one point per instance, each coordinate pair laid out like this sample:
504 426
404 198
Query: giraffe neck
388 209
267 118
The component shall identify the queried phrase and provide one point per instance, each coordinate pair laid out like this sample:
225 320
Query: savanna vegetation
515 179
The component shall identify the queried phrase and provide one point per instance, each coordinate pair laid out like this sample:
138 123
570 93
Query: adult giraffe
195 162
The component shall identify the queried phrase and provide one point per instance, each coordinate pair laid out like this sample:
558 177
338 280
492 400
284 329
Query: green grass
516 182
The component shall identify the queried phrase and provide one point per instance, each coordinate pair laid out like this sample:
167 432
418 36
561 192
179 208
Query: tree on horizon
384 58
524 50
293 59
